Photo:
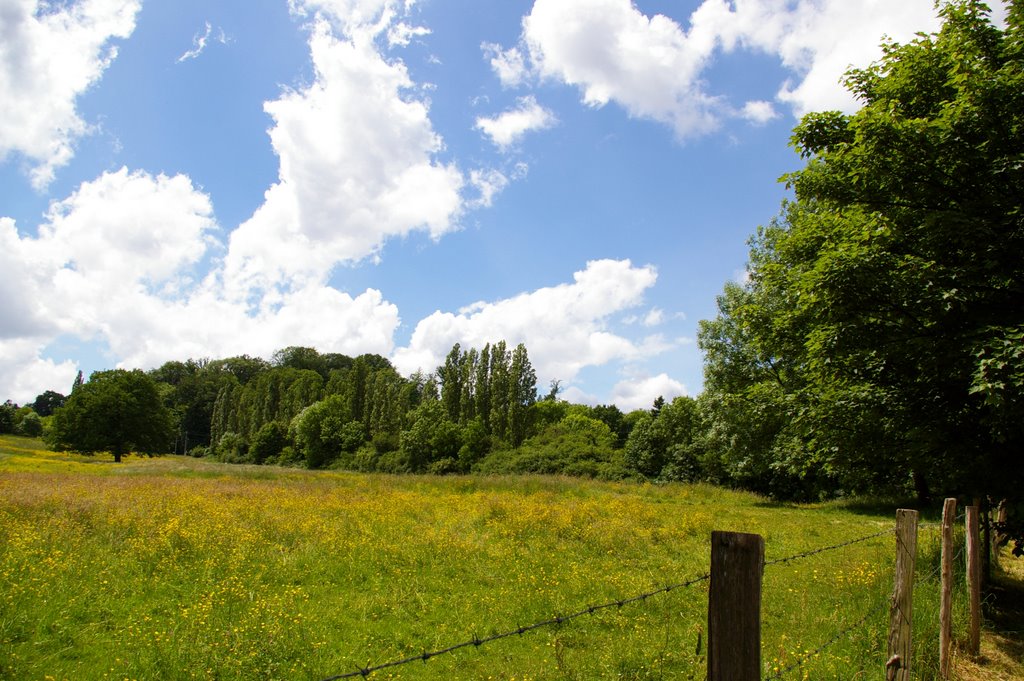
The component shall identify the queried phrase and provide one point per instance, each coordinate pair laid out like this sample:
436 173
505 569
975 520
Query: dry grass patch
1002 638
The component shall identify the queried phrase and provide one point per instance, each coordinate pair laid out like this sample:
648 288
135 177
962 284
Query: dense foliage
877 345
115 411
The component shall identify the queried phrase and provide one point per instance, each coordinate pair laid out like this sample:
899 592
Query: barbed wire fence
477 641
875 610
589 610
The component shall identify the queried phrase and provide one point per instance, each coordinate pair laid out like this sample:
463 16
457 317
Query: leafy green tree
499 381
224 418
430 437
7 413
613 417
46 403
546 413
522 387
268 442
117 411
451 378
482 385
319 430
243 367
576 445
878 337
644 453
295 357
28 423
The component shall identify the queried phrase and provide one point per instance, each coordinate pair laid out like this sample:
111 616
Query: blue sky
206 179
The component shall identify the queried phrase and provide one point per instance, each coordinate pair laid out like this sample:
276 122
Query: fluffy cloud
654 68
356 168
509 65
115 263
613 52
368 18
51 53
817 40
564 326
510 126
23 370
640 393
759 112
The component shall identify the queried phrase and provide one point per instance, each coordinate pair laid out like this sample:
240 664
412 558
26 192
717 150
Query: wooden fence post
946 602
998 535
901 612
734 607
974 580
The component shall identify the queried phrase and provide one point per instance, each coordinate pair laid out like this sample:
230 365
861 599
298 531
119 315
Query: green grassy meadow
177 568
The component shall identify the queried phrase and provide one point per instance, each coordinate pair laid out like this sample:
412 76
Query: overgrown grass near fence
174 568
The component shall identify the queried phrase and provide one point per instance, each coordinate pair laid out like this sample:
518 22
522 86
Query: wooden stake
946 602
998 536
734 607
900 616
974 580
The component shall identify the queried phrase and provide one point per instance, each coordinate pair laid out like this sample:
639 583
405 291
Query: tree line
479 411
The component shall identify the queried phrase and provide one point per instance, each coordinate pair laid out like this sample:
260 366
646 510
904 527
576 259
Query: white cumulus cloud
640 393
817 40
759 112
357 167
116 263
509 65
50 53
655 67
564 326
23 370
613 52
509 127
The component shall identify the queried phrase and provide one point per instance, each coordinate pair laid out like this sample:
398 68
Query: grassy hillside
177 568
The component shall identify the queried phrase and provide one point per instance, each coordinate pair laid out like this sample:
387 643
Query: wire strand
476 641
823 549
800 660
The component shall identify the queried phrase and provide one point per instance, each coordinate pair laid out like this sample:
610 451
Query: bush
29 424
445 466
232 448
271 438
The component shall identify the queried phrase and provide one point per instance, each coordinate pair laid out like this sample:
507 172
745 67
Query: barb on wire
476 641
806 656
823 549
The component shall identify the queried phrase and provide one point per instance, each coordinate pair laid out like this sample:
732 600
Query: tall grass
174 568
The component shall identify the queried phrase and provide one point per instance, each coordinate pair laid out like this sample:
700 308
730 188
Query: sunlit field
175 568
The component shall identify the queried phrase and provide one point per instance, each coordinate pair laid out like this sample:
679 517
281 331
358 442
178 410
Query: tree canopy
877 343
115 411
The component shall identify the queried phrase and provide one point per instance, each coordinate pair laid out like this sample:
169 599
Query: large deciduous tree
880 332
116 411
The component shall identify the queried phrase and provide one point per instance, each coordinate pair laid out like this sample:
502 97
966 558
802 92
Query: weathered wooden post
998 535
946 602
734 607
900 616
974 580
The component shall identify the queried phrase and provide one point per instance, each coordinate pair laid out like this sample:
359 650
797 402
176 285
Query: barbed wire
839 635
833 547
803 658
477 641
960 517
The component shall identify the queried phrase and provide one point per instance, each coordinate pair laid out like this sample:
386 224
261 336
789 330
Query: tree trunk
117 455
